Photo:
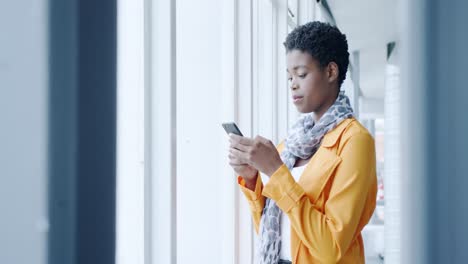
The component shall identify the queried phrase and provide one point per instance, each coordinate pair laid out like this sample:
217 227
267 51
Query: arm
253 194
255 199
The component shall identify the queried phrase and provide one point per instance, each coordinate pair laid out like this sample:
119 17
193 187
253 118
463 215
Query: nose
293 85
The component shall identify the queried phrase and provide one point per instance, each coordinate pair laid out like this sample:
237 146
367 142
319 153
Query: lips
297 99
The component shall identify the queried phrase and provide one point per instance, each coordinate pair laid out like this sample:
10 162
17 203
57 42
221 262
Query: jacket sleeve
328 235
255 199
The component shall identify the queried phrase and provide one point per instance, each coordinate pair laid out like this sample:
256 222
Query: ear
332 72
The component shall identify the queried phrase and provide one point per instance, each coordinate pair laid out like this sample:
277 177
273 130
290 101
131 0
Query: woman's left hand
259 153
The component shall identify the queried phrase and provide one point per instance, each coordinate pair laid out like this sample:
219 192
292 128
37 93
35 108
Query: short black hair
323 42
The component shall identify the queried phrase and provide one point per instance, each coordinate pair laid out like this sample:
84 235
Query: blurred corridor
111 145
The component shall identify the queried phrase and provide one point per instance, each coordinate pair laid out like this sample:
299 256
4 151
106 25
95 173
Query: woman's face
313 88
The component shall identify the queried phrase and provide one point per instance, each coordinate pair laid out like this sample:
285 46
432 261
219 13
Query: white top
285 225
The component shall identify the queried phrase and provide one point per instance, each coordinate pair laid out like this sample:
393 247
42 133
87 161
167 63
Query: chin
303 110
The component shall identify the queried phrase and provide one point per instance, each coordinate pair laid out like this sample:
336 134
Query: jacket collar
332 136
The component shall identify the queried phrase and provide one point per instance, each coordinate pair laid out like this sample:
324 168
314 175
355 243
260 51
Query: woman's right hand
247 172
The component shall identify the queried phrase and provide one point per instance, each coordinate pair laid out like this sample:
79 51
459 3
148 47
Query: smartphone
231 127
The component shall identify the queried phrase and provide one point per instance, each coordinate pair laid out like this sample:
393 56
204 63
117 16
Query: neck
324 107
319 114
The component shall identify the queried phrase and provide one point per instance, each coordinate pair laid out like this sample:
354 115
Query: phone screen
231 127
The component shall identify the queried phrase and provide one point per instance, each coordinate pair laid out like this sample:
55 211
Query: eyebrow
297 67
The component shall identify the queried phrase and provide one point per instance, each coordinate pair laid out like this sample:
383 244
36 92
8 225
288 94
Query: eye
302 76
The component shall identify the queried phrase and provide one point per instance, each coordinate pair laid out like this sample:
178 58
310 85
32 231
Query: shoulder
355 128
356 133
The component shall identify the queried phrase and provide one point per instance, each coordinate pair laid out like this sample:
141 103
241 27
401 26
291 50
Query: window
130 206
177 193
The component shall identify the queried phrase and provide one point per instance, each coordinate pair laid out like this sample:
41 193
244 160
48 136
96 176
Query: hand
247 172
259 153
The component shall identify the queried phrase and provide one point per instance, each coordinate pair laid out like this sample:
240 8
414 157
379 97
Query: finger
238 168
238 165
234 160
241 140
258 137
262 140
241 156
232 156
238 153
239 146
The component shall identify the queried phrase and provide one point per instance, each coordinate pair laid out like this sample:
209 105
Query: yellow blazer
332 201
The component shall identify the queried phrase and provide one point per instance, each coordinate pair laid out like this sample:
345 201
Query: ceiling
369 25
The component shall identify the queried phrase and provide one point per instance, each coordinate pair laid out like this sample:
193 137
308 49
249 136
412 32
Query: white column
244 118
130 133
414 239
355 78
23 134
392 171
434 132
279 75
162 141
229 222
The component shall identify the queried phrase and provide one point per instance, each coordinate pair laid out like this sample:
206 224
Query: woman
321 187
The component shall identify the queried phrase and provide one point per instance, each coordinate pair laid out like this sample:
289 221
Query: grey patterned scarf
302 141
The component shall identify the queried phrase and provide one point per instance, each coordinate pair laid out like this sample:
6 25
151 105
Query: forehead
297 58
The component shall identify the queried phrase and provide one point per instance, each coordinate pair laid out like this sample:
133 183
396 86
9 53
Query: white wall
23 131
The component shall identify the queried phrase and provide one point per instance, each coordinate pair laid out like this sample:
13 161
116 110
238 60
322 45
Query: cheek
312 87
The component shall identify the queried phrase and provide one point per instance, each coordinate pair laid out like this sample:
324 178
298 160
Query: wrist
251 183
275 168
